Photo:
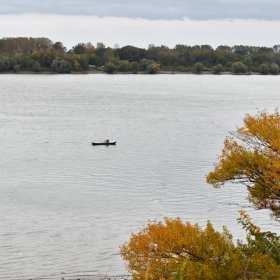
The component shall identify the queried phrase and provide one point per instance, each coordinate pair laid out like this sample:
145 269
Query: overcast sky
150 9
139 23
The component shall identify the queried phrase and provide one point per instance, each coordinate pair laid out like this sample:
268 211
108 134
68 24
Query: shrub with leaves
61 66
238 67
264 69
217 68
124 65
144 63
153 68
135 66
198 67
110 67
16 68
266 243
4 63
274 68
36 67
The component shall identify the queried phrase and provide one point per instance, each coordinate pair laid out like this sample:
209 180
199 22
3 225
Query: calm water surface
67 206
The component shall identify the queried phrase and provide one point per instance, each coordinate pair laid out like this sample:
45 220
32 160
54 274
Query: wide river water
66 206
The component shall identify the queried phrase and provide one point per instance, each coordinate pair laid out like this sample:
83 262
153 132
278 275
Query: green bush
16 68
217 68
4 63
153 68
110 67
238 67
198 67
264 69
36 67
61 66
274 68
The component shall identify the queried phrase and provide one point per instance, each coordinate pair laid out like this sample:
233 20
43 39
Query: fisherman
106 141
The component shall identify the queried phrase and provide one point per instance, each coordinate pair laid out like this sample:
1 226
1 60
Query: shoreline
162 72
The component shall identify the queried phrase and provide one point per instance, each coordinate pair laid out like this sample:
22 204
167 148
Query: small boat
103 143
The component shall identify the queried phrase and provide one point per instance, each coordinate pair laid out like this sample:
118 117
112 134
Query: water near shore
67 206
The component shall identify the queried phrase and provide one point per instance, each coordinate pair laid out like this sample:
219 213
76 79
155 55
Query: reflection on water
66 206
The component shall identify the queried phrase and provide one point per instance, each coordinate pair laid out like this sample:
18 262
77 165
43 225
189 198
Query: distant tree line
41 54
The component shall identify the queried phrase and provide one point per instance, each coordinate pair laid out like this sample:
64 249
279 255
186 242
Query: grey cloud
150 9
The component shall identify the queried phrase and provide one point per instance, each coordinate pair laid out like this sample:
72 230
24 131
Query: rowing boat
103 143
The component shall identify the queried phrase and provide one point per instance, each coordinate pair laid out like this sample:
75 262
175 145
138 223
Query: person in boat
106 141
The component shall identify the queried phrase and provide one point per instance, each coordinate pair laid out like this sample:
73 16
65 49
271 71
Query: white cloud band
139 32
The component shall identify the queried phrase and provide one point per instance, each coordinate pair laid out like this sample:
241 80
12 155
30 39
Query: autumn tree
90 49
153 68
175 250
24 44
251 157
124 65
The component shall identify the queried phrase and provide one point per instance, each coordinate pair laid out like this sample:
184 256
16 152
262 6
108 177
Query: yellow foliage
174 250
19 57
76 65
253 161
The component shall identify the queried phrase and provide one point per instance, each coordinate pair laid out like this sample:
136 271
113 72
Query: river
66 206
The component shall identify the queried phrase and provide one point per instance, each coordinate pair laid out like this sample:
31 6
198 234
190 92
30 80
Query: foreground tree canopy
177 250
252 157
25 52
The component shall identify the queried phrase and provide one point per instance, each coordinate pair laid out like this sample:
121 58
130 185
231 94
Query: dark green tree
264 69
58 46
79 48
217 68
36 67
130 53
110 67
274 68
4 63
238 67
198 67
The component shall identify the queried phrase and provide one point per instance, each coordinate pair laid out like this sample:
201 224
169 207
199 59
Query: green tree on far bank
238 67
124 66
153 68
274 68
217 68
61 66
36 67
264 69
110 67
4 63
198 67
